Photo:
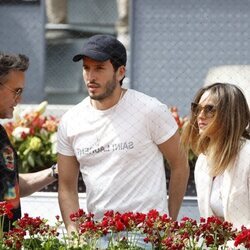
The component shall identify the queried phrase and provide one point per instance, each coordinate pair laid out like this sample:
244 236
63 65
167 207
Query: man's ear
121 72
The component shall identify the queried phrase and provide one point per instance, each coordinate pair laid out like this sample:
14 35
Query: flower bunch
33 135
135 231
157 230
120 230
216 232
243 237
5 211
33 233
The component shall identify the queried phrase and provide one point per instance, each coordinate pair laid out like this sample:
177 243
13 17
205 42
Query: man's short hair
10 62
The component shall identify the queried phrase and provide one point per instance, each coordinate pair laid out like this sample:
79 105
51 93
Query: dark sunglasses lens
194 107
208 108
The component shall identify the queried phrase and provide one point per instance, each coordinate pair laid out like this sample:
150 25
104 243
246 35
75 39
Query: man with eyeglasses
14 185
17 92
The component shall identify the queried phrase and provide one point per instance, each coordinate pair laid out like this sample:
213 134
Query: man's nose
91 76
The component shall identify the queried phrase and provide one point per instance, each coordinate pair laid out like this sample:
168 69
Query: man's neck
108 102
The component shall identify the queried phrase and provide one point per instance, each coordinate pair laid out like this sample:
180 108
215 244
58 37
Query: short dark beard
111 86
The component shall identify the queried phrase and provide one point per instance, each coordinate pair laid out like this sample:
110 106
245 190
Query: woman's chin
201 130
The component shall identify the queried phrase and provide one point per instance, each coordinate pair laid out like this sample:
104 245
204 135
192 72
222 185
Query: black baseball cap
103 48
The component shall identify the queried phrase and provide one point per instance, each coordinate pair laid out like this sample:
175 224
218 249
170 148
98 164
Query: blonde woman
219 132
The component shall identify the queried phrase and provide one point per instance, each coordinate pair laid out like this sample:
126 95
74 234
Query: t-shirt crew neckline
109 110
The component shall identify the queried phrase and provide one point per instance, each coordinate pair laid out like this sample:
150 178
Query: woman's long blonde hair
229 127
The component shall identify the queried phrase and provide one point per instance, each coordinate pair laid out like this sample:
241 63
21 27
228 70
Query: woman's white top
216 196
235 190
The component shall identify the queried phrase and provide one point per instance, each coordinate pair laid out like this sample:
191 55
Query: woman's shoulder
245 149
244 154
201 171
201 162
243 162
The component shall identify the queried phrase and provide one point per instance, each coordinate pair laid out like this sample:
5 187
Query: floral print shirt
9 185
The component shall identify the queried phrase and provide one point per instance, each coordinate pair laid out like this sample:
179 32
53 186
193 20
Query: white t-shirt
120 162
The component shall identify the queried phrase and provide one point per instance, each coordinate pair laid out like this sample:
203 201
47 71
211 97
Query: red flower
119 225
215 231
14 238
5 209
243 237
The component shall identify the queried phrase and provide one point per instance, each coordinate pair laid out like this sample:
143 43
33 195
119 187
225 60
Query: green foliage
33 135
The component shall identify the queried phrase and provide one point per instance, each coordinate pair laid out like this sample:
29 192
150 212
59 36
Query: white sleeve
64 146
162 124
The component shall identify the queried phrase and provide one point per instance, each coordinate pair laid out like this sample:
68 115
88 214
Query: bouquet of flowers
33 135
124 231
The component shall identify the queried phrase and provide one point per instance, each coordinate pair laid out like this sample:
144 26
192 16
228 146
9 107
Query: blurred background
174 46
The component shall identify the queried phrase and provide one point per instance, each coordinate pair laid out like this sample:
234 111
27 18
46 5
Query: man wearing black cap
117 137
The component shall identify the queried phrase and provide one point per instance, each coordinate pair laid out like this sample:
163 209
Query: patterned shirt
9 185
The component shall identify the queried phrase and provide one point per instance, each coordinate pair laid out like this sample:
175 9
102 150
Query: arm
179 169
33 182
68 170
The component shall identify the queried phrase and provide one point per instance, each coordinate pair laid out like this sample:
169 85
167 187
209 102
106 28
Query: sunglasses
208 110
17 92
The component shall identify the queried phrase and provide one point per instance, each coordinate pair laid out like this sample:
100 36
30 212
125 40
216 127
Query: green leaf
31 160
39 161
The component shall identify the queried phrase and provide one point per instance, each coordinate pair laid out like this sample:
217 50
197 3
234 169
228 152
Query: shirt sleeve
162 124
64 146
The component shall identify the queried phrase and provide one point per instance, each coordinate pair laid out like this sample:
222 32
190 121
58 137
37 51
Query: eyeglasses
208 110
17 92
